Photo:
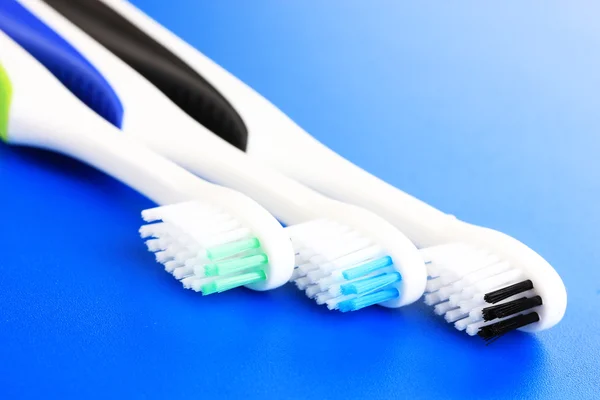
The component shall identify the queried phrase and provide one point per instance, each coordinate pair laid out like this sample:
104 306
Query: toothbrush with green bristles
227 239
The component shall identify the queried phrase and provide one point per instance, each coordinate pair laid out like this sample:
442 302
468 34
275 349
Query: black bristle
510 308
492 332
505 293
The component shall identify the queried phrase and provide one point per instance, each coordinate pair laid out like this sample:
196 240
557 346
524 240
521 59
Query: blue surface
487 112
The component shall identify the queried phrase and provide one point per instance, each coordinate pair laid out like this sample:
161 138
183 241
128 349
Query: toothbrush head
211 250
356 260
493 286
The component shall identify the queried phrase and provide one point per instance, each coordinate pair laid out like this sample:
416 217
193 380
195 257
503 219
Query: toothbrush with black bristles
468 265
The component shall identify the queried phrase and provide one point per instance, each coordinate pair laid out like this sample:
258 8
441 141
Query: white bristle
332 303
475 313
304 269
356 258
434 271
302 283
206 234
486 272
497 281
457 298
153 230
313 290
199 282
337 251
461 324
325 250
323 298
468 305
334 290
334 277
181 236
186 254
187 282
454 315
460 276
163 256
297 274
157 244
442 308
432 299
171 265
445 292
182 272
315 275
194 283
434 284
473 327
199 258
299 259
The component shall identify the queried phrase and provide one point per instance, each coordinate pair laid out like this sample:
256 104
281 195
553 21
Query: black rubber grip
184 86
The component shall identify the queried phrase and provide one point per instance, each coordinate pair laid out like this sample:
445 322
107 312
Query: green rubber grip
5 97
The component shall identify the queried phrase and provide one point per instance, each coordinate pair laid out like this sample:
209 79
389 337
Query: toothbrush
385 264
275 140
221 228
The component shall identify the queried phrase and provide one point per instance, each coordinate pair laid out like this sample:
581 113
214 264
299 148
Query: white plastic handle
153 119
277 141
39 101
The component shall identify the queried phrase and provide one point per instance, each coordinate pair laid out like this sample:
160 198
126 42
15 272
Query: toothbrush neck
198 150
331 174
92 140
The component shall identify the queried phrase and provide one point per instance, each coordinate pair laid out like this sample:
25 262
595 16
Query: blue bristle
370 284
62 60
368 300
367 268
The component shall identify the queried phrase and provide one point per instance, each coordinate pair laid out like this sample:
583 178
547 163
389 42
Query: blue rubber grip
62 59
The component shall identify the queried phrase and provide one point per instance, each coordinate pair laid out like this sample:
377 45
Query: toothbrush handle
43 113
304 158
132 163
174 134
198 150
278 142
93 141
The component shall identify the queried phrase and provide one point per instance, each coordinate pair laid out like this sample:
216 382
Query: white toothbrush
350 236
36 110
278 142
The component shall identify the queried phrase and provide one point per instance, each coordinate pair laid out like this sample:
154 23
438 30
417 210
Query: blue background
487 111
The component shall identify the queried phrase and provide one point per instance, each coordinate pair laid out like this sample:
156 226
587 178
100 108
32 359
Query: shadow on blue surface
91 299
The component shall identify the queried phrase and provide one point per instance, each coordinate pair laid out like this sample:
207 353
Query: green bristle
223 284
230 249
236 265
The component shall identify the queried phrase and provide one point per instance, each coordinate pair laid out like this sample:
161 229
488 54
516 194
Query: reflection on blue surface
487 112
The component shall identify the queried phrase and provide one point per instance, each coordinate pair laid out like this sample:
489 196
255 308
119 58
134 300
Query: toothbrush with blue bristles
386 267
